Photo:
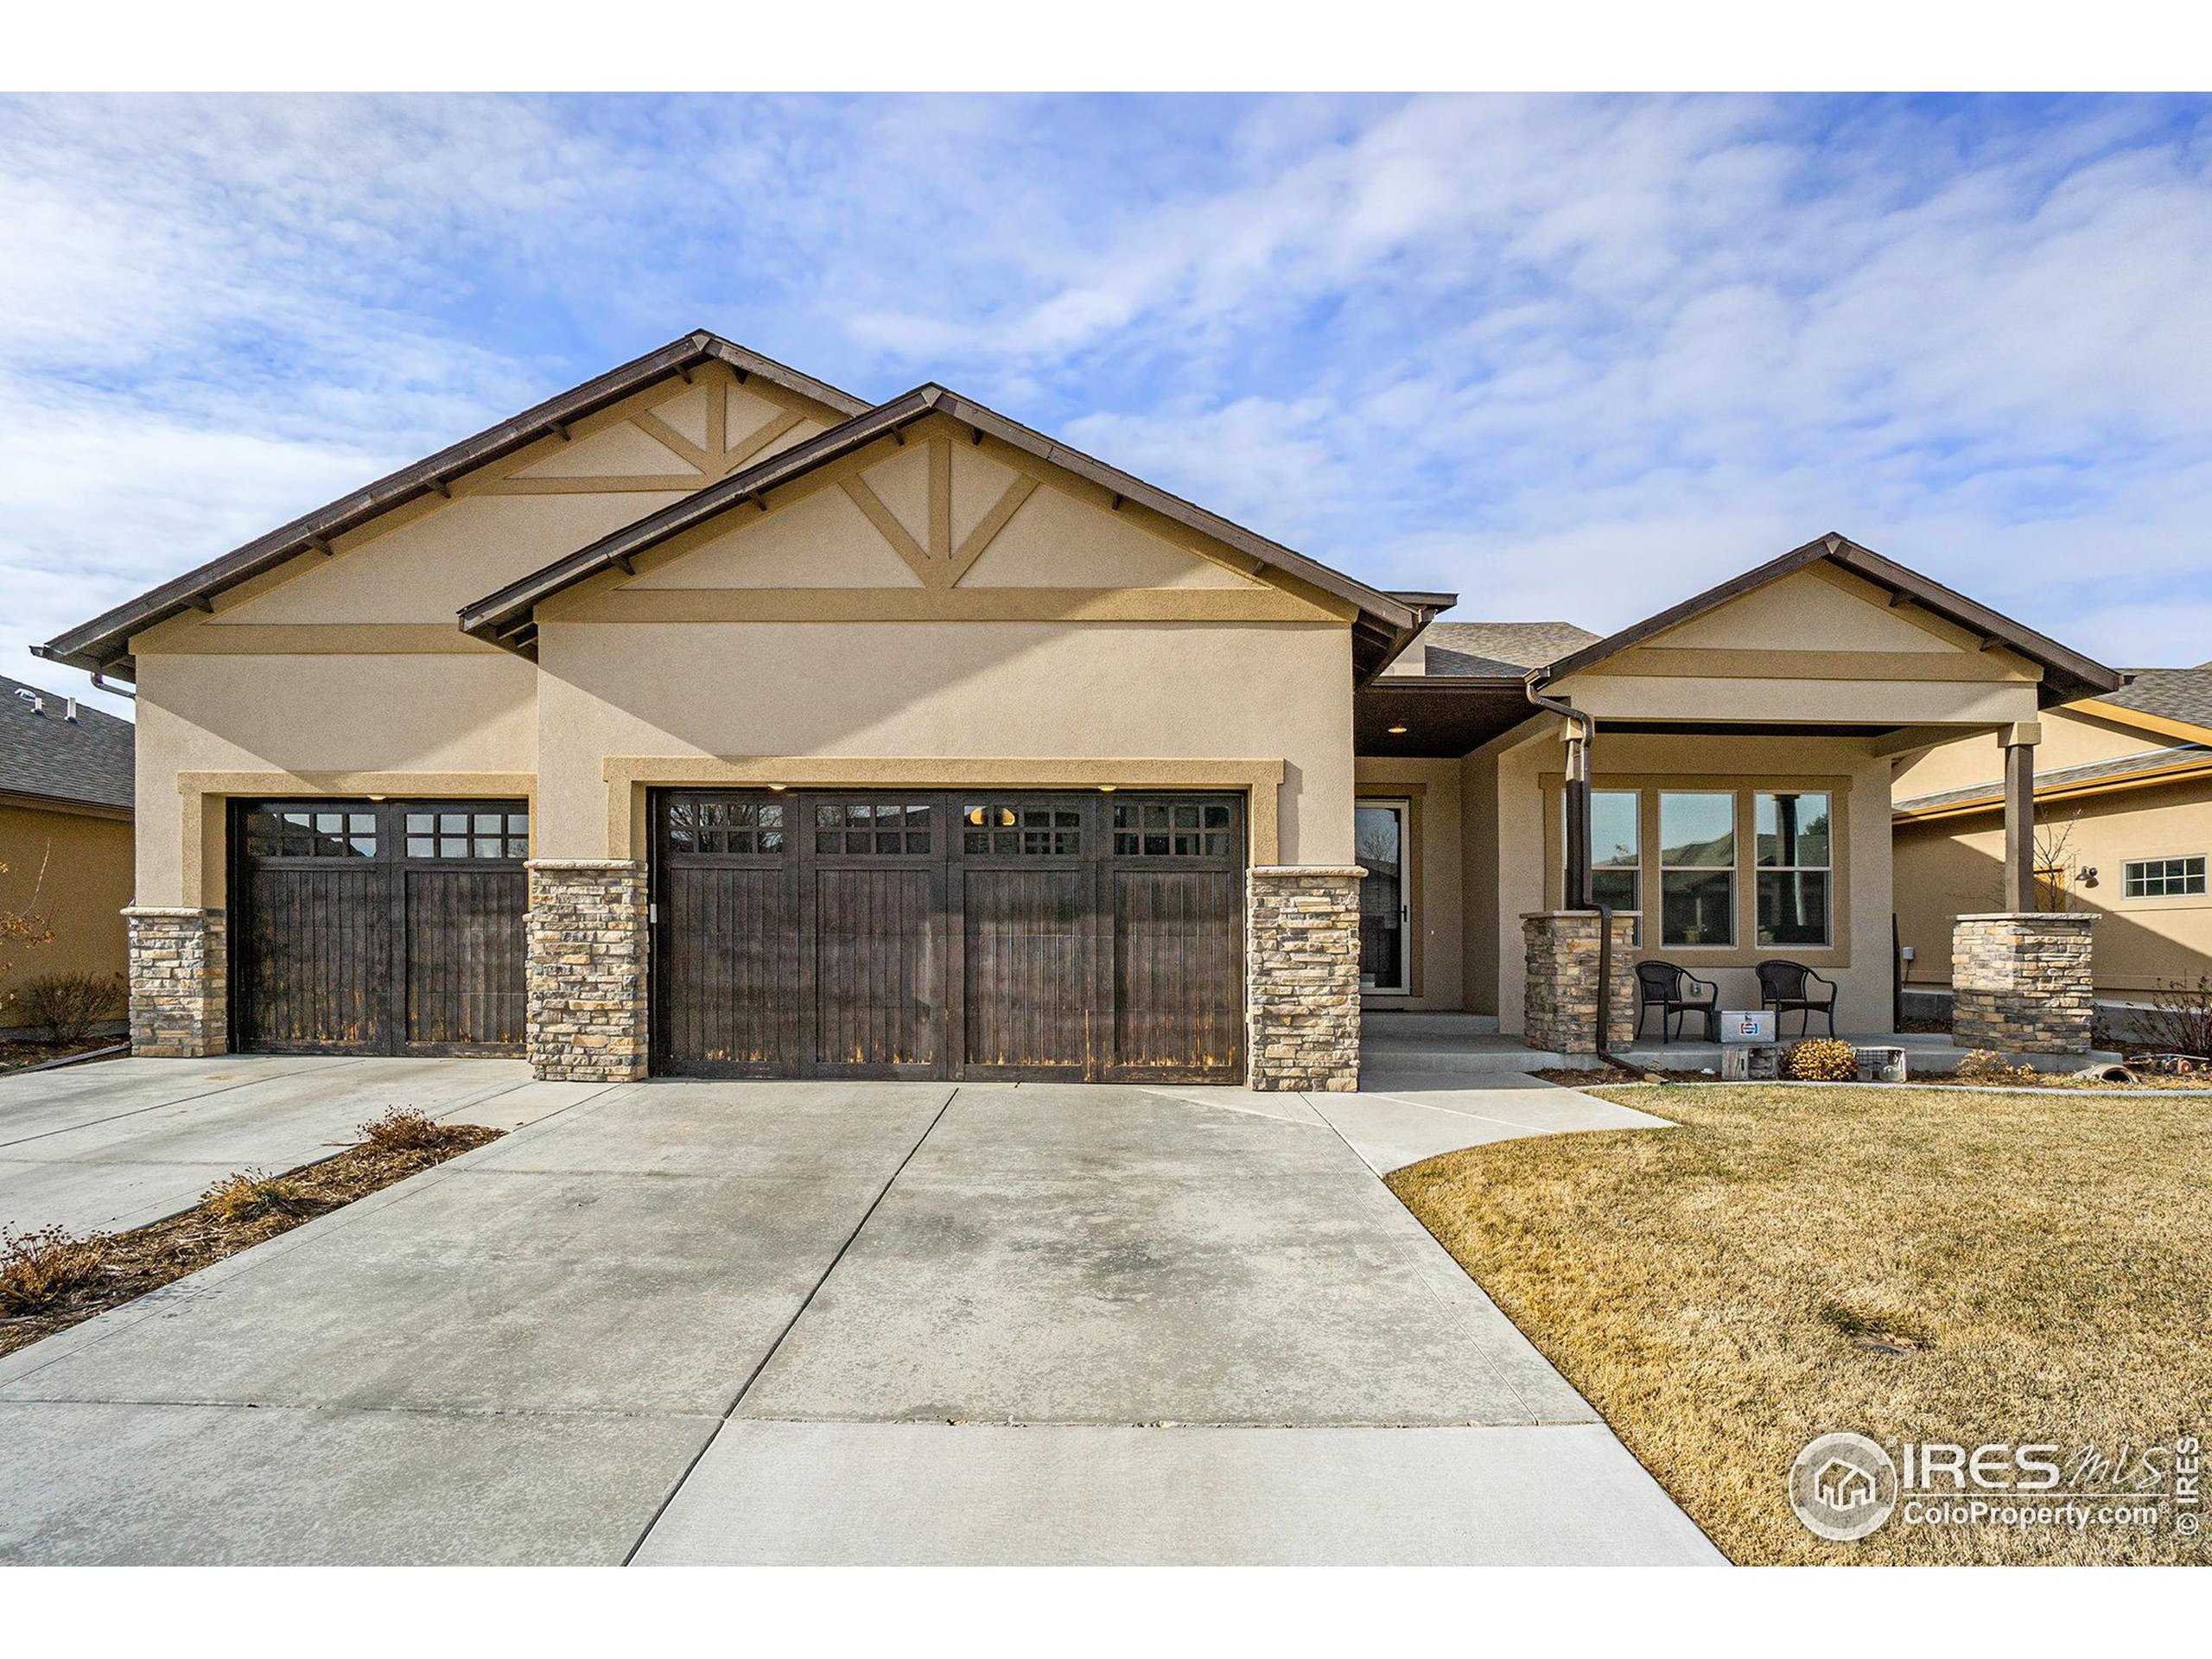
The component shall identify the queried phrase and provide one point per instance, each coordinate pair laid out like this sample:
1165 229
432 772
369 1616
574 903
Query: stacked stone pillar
2021 982
180 982
1562 982
1301 955
586 956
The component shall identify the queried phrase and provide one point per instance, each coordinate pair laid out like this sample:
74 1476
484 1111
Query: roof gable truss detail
939 563
702 463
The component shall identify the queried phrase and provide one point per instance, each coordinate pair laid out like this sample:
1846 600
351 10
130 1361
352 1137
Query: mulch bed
125 1266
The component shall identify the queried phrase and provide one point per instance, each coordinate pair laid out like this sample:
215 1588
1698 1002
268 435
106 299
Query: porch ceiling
1442 718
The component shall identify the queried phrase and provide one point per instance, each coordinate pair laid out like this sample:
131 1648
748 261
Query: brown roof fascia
103 644
1386 622
2067 675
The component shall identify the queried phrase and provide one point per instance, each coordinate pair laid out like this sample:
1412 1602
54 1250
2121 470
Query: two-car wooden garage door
941 934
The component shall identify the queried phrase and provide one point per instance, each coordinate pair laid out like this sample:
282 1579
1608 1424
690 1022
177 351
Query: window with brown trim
306 831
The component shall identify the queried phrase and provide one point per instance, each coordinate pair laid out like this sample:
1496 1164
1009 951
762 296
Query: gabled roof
507 617
2067 675
104 643
1493 649
84 758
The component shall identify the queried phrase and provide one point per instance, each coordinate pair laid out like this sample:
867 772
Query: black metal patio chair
1677 993
1791 986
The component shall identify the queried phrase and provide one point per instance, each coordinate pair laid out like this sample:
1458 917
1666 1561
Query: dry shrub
1820 1059
40 1269
406 1129
70 1005
250 1195
2179 1019
1987 1065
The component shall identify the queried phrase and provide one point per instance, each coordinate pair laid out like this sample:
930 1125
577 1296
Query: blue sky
1568 357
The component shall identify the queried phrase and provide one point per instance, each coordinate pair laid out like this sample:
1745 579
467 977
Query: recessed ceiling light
1397 731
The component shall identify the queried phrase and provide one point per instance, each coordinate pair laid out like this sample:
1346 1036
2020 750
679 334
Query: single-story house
2123 789
66 777
710 719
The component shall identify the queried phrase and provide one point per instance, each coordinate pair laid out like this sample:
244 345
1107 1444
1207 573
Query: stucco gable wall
818 632
1819 647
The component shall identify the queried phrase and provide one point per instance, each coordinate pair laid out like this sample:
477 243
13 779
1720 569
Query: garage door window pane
1173 829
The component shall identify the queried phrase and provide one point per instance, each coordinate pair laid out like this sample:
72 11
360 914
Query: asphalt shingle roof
1498 648
2095 772
2174 693
87 760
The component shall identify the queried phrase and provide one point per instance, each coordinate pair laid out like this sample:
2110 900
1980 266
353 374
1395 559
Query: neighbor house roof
1498 650
1384 626
104 643
2147 766
56 749
2067 675
2177 702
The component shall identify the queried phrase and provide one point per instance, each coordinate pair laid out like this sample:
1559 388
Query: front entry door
1385 898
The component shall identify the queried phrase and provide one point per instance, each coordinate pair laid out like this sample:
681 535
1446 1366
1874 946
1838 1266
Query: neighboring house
708 719
65 837
2123 787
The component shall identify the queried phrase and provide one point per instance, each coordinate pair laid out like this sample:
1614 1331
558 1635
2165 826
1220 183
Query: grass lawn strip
50 1280
1911 1263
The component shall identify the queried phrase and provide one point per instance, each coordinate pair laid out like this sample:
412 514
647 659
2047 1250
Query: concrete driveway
754 1323
120 1143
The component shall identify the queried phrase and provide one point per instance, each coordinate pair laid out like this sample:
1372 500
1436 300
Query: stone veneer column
1561 1008
585 1019
180 982
1302 975
2020 981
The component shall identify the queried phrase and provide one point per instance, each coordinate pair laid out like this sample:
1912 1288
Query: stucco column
1301 964
180 982
585 1019
1562 984
2021 982
2019 740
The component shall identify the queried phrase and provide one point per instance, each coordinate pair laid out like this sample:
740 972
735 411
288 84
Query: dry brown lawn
1913 1264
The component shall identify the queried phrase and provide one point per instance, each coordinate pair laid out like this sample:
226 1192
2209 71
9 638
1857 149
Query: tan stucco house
2123 788
709 719
66 778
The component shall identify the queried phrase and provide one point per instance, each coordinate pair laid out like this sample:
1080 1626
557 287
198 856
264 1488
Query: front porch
1718 776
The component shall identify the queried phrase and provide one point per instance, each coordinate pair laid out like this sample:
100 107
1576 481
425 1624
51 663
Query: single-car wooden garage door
378 927
1094 937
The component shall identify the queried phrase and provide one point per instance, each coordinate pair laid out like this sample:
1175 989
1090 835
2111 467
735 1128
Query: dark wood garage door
378 927
1088 936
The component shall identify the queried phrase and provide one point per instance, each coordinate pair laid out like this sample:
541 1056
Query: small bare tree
20 927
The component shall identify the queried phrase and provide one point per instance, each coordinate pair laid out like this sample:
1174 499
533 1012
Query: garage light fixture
1397 731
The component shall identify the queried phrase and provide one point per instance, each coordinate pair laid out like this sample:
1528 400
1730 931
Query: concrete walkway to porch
1425 1043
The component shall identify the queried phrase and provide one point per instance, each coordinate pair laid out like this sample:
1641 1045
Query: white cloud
1573 356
